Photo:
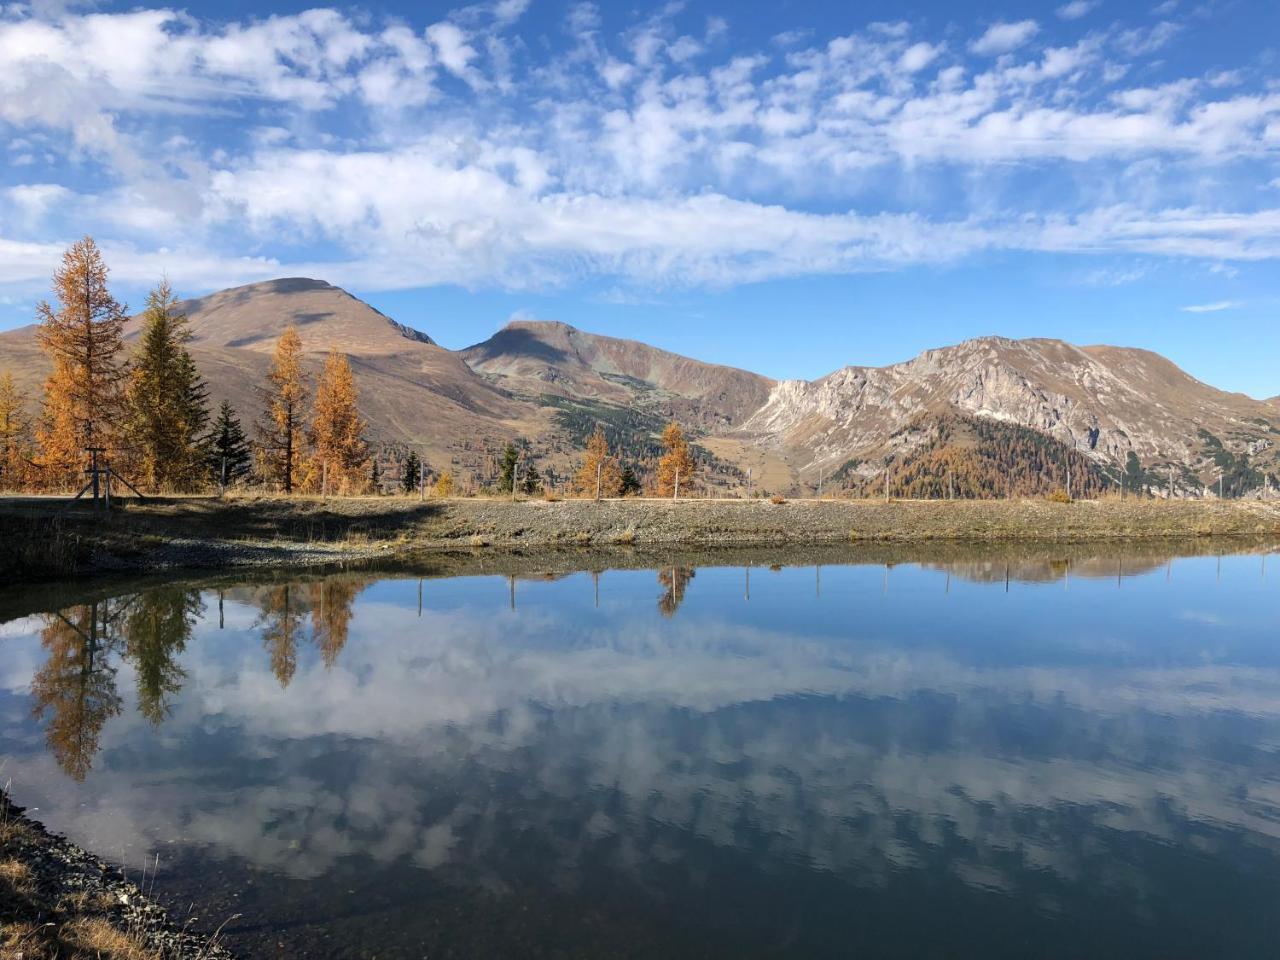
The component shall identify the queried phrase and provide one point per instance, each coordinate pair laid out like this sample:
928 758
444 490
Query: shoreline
58 900
206 533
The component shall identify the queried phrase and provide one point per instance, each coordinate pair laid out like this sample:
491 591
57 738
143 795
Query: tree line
149 411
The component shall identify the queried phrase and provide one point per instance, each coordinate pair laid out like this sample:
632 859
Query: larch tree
677 466
280 431
15 436
599 474
337 433
228 457
84 393
166 413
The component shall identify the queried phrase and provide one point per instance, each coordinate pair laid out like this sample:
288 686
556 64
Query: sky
788 186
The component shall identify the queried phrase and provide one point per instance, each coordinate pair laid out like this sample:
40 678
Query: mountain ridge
550 383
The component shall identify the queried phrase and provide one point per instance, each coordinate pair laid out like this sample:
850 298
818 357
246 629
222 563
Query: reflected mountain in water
800 763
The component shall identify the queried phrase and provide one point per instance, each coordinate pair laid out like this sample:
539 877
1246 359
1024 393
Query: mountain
1102 401
989 411
536 358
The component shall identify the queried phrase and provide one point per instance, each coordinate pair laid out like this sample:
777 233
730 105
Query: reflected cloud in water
1043 751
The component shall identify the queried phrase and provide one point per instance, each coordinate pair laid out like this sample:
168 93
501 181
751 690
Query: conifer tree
677 466
166 414
411 475
530 480
507 476
375 477
227 453
15 436
280 432
83 395
629 483
599 471
337 432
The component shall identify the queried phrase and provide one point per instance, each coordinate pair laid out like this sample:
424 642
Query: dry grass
95 937
16 874
777 500
1059 496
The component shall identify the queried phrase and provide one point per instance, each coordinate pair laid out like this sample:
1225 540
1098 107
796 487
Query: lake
946 752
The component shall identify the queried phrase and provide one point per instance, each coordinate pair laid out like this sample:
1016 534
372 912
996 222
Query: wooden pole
599 469
676 494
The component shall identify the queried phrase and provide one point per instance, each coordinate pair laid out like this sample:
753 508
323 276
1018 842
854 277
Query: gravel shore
208 533
58 902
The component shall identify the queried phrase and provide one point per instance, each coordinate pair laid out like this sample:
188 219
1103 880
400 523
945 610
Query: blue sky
788 187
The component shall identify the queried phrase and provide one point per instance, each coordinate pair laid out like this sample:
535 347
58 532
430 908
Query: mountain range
990 399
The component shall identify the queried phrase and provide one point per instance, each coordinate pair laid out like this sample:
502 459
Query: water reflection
75 691
787 763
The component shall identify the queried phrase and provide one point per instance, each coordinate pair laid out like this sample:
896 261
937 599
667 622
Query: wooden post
676 494
515 481
599 468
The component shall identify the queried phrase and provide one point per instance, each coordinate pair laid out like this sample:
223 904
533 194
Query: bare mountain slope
1106 401
536 358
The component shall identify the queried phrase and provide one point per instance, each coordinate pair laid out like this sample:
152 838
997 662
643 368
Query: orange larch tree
83 337
15 436
341 457
677 466
599 474
280 431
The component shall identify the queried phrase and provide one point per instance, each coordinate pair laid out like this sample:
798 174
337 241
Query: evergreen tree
83 338
677 467
599 471
506 478
280 433
629 484
166 414
411 475
337 432
1133 472
227 452
530 480
375 477
15 437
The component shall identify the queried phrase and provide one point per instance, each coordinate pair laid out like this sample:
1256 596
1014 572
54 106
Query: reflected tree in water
332 603
157 628
77 685
676 580
283 608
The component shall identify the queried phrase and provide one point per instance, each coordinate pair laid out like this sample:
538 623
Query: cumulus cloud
1076 9
1004 37
649 155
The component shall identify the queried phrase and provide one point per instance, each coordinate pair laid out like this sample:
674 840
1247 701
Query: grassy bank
58 902
207 533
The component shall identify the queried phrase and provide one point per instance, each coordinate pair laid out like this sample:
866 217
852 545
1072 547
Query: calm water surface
1048 756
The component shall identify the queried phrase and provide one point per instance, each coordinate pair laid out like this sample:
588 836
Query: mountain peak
254 315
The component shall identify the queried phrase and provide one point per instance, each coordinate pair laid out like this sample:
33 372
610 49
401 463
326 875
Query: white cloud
1004 37
1077 9
644 155
1212 307
918 56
